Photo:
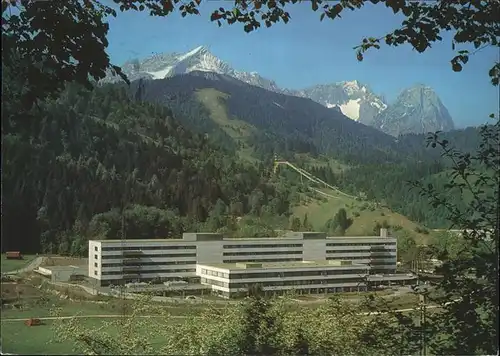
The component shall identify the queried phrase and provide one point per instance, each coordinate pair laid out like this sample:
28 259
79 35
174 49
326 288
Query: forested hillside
88 155
389 183
279 123
112 163
236 115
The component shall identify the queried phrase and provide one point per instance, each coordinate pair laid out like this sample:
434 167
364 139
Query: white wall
314 250
209 251
94 257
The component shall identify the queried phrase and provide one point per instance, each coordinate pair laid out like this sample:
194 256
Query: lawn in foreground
15 334
17 338
13 265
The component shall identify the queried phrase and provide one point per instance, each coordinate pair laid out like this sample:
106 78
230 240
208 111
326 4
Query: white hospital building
303 277
121 261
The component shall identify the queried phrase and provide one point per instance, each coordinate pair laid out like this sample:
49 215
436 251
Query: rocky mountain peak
417 110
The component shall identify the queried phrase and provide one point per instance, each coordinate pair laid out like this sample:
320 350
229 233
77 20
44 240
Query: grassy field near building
23 340
42 339
8 265
18 338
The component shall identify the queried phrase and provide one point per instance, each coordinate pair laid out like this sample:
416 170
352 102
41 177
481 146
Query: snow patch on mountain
191 53
161 74
351 109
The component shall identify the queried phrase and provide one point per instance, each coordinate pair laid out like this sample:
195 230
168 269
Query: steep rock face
354 99
416 110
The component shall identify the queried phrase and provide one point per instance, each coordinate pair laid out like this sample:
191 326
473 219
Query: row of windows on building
169 271
227 254
246 253
147 248
193 247
261 260
158 255
333 244
261 275
385 250
189 247
304 282
262 246
140 263
264 260
374 249
367 258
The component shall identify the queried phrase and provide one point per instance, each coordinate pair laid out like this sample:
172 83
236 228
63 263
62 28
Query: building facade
119 261
230 280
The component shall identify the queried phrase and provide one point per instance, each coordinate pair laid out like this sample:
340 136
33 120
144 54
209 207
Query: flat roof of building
291 264
236 239
295 238
142 240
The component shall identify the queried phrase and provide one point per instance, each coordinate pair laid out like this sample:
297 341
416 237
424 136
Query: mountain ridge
263 122
354 99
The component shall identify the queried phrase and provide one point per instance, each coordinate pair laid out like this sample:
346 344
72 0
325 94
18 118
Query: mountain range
256 122
416 110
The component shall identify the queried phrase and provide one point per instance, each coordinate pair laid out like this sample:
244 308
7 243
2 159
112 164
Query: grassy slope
236 129
319 211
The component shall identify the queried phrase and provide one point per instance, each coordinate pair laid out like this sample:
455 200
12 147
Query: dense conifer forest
91 155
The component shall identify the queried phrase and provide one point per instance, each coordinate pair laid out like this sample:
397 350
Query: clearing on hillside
239 130
320 210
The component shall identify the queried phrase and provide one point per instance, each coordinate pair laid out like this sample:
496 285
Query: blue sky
306 52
